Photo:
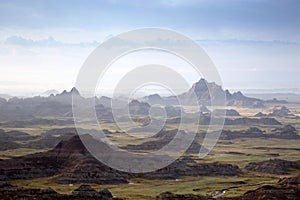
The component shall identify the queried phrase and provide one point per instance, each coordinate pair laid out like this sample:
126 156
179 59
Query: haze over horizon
254 44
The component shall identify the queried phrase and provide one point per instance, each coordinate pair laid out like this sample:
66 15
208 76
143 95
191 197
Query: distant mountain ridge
60 105
205 92
49 92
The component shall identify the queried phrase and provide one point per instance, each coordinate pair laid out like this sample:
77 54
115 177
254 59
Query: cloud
49 42
246 42
18 40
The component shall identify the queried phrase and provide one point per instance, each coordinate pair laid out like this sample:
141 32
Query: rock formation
74 164
273 166
84 192
287 188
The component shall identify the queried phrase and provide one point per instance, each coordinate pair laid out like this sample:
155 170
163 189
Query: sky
255 44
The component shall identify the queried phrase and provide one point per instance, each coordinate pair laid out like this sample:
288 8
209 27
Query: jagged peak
104 98
227 92
73 91
238 94
134 101
201 82
154 96
72 145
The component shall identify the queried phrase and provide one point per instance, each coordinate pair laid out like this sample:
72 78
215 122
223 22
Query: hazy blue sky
254 43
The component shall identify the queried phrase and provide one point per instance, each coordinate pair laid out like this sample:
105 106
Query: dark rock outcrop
138 108
37 121
280 111
260 114
287 189
238 99
205 92
84 192
252 132
172 111
154 99
74 164
8 140
230 112
205 120
60 105
69 158
182 168
162 139
276 101
288 131
273 166
172 196
247 121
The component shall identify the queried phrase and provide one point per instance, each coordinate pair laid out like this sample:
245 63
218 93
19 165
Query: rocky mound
172 111
60 105
238 99
8 140
280 111
104 113
207 91
288 131
162 139
260 114
8 191
75 164
51 138
2 101
158 144
273 166
276 101
287 188
154 99
138 108
205 120
230 112
182 168
68 158
247 121
172 196
35 121
48 139
252 132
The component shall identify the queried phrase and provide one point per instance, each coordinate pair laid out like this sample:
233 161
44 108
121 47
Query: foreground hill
74 164
8 191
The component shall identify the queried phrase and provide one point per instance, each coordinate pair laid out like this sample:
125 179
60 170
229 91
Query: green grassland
237 151
203 185
19 152
139 189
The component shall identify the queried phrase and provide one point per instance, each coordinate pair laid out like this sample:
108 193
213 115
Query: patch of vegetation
140 189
